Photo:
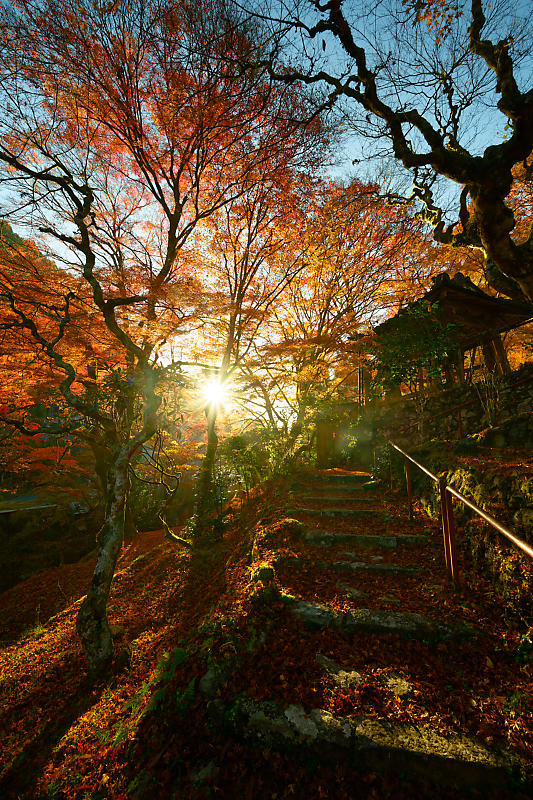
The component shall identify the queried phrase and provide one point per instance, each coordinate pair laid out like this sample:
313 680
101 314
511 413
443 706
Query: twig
169 534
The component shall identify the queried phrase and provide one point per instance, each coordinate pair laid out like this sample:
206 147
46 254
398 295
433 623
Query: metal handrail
494 522
420 466
448 521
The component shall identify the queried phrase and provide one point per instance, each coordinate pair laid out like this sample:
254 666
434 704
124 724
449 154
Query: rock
345 679
524 517
374 745
314 615
318 615
326 539
352 592
411 538
210 683
264 573
283 528
358 540
349 554
402 622
330 729
303 724
266 725
356 566
332 500
206 774
398 686
341 512
215 711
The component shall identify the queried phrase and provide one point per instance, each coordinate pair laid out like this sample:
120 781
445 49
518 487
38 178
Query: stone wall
502 488
509 397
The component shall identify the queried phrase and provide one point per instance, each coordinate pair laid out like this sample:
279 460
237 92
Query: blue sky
404 82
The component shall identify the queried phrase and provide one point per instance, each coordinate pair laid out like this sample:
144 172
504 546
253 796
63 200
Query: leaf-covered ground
146 731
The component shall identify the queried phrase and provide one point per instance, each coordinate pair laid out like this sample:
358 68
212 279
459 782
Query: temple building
479 321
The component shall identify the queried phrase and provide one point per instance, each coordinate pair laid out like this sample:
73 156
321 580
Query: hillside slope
322 656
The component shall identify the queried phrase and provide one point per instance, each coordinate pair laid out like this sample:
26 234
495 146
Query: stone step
332 499
346 477
363 566
358 540
352 592
347 678
348 513
368 620
343 491
345 481
369 744
327 539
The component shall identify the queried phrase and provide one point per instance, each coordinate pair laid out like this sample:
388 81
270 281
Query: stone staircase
370 570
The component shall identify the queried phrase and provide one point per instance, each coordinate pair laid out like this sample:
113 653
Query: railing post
460 423
445 528
408 481
454 565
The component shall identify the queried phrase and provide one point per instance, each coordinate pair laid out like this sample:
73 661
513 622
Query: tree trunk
91 623
205 494
130 527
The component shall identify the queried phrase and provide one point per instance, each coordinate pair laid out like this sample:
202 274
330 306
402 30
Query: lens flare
215 393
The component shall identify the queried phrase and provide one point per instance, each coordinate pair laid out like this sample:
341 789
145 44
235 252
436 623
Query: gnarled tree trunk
91 624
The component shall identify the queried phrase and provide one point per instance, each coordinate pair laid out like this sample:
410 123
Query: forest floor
204 636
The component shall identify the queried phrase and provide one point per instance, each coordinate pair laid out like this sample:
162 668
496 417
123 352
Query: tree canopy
443 88
174 217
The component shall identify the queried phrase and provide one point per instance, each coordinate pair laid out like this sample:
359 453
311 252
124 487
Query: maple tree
426 77
120 137
253 254
359 256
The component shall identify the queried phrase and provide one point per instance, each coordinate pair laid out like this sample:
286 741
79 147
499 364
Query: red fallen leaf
486 729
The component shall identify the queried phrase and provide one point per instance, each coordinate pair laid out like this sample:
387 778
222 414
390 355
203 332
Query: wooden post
489 356
448 374
325 442
460 365
407 468
421 380
501 355
454 565
473 352
444 515
390 466
460 423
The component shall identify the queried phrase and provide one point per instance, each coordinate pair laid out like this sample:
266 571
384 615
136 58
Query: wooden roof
479 316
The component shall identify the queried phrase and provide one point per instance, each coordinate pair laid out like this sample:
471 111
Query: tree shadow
21 774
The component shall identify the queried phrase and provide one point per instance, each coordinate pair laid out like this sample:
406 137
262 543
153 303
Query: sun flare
215 393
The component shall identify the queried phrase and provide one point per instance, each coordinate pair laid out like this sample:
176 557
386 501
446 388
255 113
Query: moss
526 489
264 573
287 599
